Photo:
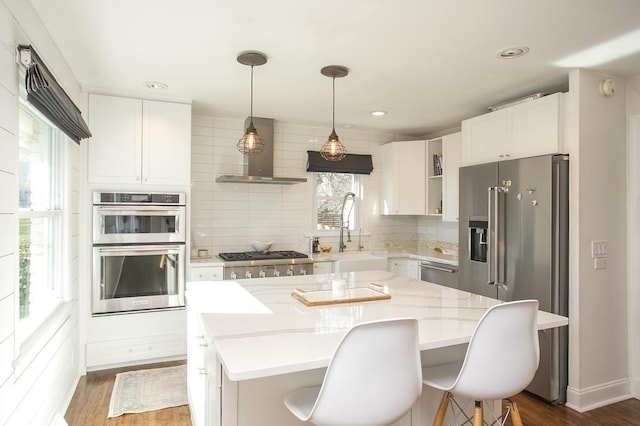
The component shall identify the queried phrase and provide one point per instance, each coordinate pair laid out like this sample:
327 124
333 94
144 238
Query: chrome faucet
345 224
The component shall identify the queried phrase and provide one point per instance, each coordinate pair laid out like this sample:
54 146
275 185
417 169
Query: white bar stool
374 377
501 360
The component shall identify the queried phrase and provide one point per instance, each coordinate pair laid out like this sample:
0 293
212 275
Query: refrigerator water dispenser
478 231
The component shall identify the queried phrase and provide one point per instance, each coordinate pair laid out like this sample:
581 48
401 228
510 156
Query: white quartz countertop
260 330
430 255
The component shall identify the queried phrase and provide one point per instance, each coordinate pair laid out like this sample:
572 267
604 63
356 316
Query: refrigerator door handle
492 261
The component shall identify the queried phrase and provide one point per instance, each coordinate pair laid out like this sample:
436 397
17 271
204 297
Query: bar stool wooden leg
442 409
477 414
515 413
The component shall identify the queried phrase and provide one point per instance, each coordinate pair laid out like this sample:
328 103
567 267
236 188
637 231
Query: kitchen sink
354 262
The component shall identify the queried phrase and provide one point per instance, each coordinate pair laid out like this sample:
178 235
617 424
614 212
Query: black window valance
360 164
44 93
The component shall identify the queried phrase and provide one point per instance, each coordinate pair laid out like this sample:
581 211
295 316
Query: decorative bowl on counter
325 249
261 246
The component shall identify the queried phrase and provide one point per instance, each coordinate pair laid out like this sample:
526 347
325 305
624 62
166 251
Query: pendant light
251 142
333 149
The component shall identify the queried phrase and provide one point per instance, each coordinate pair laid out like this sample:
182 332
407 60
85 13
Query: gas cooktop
258 255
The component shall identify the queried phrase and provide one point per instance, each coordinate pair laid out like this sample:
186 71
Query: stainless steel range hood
258 168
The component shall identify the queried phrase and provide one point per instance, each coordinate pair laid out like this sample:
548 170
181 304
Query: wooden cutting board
350 295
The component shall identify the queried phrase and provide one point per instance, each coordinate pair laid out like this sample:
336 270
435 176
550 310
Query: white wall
37 378
228 216
596 136
633 120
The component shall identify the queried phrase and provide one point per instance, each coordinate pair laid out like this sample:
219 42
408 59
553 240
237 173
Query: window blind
360 164
48 97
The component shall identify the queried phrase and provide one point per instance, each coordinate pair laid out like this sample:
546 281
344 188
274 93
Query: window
40 215
331 189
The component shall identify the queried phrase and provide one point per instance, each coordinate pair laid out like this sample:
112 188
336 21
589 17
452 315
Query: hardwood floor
536 412
90 403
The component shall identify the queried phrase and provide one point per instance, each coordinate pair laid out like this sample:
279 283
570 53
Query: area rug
148 390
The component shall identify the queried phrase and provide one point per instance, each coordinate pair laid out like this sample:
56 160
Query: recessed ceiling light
378 113
156 85
512 52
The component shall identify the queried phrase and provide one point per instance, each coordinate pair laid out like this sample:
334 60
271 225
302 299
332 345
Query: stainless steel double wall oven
138 251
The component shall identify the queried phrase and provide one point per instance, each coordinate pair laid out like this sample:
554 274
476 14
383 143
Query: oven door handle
124 251
141 210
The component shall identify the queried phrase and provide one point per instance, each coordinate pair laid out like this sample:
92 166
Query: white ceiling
429 63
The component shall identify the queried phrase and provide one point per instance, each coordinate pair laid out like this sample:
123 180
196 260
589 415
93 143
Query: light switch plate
599 249
600 263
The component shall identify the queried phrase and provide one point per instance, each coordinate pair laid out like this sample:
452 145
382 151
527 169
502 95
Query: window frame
57 211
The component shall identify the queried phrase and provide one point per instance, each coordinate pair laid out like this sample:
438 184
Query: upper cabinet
421 177
403 178
523 130
139 141
451 158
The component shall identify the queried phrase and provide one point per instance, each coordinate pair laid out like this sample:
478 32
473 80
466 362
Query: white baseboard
634 385
67 400
598 396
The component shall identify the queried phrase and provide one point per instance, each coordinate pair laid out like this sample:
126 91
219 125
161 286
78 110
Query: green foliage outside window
25 266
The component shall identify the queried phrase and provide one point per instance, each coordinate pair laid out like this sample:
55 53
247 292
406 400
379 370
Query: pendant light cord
334 104
251 108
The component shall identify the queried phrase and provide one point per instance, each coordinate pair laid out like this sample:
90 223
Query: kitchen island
260 343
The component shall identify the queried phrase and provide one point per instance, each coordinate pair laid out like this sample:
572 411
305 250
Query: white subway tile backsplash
227 217
228 123
202 131
202 120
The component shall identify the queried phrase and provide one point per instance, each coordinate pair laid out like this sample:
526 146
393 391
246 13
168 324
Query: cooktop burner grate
256 255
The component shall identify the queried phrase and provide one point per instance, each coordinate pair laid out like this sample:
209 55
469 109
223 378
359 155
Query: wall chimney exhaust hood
258 168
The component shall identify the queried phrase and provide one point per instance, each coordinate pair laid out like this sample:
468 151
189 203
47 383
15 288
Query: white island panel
283 344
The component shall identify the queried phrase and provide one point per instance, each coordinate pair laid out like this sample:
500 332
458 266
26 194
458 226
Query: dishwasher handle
437 268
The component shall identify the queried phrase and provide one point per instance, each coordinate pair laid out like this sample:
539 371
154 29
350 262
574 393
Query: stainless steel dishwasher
439 273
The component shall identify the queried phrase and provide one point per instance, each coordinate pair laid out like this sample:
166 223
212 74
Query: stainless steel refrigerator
513 235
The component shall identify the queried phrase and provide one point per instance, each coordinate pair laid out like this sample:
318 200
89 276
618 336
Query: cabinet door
451 159
484 138
404 178
413 269
322 267
166 153
533 127
116 146
398 266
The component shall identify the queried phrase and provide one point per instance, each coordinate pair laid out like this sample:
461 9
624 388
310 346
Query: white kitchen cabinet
206 273
139 141
403 178
523 130
534 127
451 158
322 267
405 266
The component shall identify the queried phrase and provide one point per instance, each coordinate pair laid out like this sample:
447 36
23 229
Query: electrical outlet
599 249
600 263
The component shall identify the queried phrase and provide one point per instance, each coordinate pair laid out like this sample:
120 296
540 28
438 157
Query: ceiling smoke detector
512 52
